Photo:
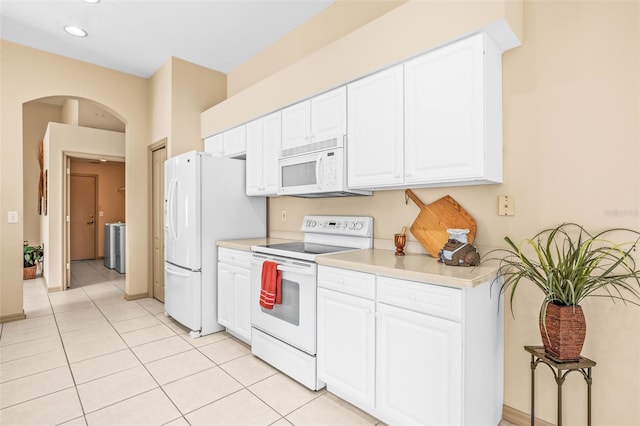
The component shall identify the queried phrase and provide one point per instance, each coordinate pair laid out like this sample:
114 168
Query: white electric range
285 336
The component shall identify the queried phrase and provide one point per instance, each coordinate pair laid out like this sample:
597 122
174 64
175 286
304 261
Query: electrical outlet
506 205
284 215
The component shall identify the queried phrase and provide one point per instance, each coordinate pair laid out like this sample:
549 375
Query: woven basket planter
29 272
565 333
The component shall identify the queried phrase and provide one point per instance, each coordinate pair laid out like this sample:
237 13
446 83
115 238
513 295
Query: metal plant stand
560 371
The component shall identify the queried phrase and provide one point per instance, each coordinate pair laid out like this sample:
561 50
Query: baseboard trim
520 418
12 317
135 296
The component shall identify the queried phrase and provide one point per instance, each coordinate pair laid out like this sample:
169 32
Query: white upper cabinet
263 142
296 125
329 115
230 143
215 145
453 109
375 152
434 120
314 120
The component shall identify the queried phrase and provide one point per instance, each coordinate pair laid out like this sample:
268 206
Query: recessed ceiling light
75 31
103 160
92 1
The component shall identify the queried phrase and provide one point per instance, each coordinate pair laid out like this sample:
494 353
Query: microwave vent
316 146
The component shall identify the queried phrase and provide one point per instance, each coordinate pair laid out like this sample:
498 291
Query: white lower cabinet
418 368
234 298
410 353
346 345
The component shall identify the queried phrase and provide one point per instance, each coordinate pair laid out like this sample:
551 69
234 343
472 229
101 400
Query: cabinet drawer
346 281
443 302
234 257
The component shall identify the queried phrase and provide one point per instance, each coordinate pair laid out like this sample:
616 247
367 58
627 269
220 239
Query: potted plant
32 255
568 263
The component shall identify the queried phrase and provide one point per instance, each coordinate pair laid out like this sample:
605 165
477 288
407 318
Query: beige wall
36 117
332 23
571 114
180 91
60 141
194 89
22 79
415 26
110 195
161 102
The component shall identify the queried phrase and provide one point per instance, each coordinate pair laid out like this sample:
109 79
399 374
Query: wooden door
158 158
83 216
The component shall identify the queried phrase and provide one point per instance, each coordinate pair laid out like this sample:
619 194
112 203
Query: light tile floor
87 356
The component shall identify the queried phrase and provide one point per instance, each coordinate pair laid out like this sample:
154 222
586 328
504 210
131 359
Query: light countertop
411 266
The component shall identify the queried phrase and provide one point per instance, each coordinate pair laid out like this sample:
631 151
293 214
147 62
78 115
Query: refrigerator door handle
172 203
175 272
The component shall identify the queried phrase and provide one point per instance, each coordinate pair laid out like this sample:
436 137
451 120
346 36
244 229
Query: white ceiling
138 36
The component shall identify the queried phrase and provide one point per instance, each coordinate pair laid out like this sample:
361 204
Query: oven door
294 320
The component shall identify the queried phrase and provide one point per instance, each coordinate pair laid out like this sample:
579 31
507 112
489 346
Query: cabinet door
215 145
375 130
225 295
255 153
242 303
296 125
346 345
444 133
419 368
271 140
329 115
235 141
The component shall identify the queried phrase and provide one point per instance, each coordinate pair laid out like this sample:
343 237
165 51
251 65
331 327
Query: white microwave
315 174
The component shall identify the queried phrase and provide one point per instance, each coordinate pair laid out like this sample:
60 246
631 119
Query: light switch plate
12 217
506 205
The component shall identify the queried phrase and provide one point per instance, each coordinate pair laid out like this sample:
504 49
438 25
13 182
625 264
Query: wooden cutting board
430 227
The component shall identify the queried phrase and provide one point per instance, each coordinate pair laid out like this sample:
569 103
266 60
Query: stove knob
359 225
313 223
344 225
351 225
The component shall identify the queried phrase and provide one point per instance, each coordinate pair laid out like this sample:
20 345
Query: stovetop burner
325 235
311 248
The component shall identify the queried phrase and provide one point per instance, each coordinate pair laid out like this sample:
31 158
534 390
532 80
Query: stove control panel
361 226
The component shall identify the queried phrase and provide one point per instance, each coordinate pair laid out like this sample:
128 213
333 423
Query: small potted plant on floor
568 264
32 255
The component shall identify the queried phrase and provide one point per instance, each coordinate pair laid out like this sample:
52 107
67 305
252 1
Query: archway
70 128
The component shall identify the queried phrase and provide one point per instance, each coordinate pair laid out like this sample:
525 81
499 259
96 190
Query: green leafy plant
31 254
568 263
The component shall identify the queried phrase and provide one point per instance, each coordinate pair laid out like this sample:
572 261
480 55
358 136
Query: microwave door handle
318 171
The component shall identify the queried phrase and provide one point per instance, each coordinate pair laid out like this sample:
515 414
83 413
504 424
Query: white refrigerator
204 201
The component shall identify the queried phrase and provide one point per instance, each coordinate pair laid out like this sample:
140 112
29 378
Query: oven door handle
303 271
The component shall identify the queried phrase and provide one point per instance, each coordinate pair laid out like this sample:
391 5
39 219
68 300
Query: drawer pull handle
412 297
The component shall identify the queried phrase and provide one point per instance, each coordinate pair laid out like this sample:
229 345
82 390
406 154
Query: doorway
158 157
82 224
